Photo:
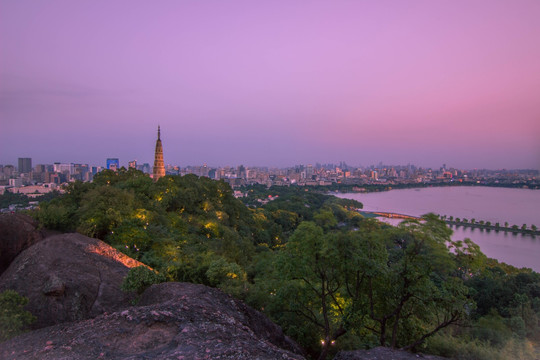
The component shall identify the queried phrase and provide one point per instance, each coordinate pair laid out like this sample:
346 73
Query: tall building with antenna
159 166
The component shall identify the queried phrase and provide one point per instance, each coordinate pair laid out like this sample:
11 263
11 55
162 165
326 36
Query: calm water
515 206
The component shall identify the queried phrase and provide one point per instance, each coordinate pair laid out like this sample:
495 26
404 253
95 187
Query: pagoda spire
159 166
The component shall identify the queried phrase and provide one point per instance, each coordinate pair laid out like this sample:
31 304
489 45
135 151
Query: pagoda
159 166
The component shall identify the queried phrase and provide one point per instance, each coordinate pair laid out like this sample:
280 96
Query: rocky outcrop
206 304
69 277
173 321
17 232
383 353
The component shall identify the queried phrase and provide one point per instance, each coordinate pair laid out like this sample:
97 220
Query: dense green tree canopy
330 277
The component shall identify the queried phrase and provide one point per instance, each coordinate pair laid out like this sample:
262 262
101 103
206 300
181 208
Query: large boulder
69 277
17 232
174 321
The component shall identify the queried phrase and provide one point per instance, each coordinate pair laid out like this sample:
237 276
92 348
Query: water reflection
520 250
515 206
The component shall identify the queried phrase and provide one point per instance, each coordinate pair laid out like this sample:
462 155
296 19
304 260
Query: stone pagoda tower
159 166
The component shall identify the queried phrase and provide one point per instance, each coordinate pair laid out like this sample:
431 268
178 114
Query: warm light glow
141 214
220 215
207 206
107 251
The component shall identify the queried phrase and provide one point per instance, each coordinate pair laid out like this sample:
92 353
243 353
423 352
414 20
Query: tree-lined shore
489 226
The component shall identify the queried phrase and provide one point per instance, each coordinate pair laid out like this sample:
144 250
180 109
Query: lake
515 206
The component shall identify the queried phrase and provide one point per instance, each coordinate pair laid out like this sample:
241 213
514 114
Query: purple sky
272 83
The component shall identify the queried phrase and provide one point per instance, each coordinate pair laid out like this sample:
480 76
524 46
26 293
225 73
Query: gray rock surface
173 321
199 299
69 277
17 232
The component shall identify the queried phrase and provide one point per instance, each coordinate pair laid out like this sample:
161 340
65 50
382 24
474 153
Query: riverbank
368 188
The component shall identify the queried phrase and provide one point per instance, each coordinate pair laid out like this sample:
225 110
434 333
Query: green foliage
491 329
470 260
301 201
228 276
140 278
397 284
9 198
299 287
460 348
325 219
57 215
288 220
315 265
131 237
417 294
102 209
513 296
14 320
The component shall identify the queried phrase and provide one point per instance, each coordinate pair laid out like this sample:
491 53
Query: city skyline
272 84
124 163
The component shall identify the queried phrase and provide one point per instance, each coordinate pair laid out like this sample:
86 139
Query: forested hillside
331 278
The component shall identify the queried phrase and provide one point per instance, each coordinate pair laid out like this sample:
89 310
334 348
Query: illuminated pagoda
159 166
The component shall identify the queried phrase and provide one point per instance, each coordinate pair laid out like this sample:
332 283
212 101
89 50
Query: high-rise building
82 172
25 165
159 166
132 164
39 173
8 171
145 168
64 168
113 164
40 168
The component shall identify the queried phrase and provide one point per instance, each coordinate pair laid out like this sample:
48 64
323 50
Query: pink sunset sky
272 83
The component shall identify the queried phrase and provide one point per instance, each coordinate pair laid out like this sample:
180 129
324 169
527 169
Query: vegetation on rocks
14 319
140 278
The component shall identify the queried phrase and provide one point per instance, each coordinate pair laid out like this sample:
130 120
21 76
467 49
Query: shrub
228 276
492 329
13 318
461 349
140 278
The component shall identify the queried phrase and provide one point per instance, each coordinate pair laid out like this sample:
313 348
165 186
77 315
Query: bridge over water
391 215
454 223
